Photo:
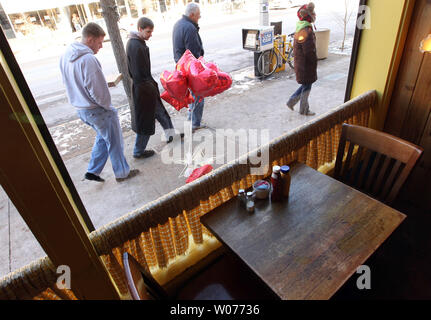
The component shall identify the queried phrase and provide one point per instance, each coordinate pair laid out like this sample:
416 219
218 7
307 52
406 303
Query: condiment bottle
250 202
277 184
285 176
242 198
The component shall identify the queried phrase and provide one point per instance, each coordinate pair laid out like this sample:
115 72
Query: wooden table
306 248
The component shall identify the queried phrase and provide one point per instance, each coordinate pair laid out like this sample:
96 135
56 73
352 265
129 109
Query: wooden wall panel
409 69
420 106
418 187
425 166
409 115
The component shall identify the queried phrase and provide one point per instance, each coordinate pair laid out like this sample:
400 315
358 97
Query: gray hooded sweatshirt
82 74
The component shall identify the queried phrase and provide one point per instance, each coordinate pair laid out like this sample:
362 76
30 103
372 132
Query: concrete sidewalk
249 104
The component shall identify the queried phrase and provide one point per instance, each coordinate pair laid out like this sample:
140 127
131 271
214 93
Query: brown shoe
310 113
194 129
132 173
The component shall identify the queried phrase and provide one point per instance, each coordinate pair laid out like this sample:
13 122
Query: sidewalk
249 104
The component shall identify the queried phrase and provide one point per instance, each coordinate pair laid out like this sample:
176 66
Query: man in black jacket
145 92
186 36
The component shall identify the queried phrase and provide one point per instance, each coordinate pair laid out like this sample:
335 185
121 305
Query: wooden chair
141 284
381 165
223 280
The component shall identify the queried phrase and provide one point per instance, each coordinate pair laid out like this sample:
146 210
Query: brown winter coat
304 50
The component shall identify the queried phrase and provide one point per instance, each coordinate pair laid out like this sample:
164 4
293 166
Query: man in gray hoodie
88 92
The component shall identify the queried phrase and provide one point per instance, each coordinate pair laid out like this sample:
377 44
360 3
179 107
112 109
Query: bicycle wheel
268 62
290 58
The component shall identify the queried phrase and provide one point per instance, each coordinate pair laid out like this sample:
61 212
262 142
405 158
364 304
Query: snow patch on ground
335 47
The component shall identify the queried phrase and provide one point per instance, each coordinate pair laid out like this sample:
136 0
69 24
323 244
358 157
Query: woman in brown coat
305 59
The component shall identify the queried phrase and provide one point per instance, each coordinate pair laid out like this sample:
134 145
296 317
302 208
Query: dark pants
162 116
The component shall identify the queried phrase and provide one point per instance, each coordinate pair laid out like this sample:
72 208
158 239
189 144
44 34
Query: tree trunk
345 21
110 14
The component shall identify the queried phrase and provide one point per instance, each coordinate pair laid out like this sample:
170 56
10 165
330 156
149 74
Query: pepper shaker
242 198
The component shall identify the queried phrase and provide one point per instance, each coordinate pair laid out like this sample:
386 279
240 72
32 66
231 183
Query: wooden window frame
36 180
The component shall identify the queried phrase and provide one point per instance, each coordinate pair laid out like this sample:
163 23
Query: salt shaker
250 202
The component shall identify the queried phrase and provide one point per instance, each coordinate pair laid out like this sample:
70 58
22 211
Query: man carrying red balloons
194 79
185 36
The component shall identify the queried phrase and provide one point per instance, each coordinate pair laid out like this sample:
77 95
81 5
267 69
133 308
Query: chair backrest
141 284
382 162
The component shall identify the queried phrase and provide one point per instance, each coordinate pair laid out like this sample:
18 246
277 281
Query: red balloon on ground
199 172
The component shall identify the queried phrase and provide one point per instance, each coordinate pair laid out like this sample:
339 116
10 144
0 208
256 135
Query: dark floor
226 279
401 267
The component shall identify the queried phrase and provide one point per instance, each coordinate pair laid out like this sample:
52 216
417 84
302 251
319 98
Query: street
222 38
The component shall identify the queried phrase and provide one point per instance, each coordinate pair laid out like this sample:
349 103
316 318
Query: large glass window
38 56
5 24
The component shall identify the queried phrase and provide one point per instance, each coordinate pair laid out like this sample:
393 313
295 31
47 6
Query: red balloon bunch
176 91
224 80
204 79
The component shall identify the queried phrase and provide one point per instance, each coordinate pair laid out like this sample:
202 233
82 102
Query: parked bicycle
271 60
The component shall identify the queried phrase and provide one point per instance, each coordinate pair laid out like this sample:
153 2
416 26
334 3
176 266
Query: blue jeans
301 94
162 116
195 112
109 141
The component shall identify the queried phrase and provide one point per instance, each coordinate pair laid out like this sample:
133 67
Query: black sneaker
93 177
132 173
171 138
145 154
